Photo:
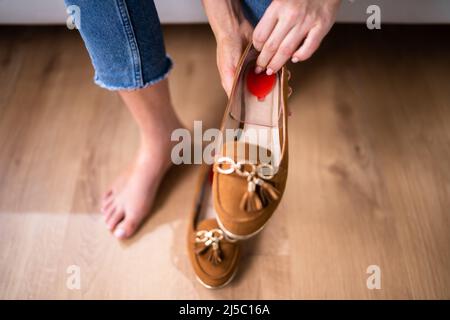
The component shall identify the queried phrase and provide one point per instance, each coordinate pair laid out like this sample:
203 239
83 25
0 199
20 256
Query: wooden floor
369 176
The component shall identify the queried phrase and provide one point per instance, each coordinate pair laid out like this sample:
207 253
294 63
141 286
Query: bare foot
129 200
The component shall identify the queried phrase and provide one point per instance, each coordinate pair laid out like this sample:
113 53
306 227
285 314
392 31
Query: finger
264 28
310 45
272 44
287 48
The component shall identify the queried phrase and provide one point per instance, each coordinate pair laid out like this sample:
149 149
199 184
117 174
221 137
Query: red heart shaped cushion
260 85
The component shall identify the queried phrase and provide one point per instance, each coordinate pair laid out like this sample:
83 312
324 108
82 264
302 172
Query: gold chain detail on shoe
254 199
239 168
210 239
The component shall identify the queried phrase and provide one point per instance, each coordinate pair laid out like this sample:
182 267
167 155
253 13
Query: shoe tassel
209 244
253 199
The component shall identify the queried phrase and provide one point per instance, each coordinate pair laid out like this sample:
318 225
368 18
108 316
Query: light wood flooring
369 176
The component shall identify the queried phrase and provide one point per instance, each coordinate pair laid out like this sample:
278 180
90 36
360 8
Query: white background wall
188 11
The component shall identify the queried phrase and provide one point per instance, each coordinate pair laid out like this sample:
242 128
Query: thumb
227 81
228 58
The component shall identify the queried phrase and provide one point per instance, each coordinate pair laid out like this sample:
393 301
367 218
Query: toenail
119 233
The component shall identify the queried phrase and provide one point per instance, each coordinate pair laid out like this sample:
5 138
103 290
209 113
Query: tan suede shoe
250 171
213 256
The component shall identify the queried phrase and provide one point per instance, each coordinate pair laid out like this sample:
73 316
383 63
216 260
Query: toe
109 212
107 204
115 218
107 194
126 228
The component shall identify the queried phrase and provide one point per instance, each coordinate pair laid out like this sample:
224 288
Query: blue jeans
125 42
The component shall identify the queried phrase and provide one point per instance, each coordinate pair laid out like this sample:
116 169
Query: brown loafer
213 255
250 173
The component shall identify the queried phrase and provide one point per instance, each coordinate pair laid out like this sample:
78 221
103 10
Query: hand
232 31
292 29
229 51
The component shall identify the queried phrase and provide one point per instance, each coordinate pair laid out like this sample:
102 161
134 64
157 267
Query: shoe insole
261 111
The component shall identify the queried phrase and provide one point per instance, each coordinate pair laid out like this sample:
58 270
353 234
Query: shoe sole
207 286
238 237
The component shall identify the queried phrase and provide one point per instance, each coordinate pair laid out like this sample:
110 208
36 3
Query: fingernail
269 71
258 70
295 60
119 233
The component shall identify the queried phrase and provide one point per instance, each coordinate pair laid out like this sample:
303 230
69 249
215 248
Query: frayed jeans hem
147 84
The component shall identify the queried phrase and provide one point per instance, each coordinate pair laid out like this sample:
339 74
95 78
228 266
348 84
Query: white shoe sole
235 236
218 287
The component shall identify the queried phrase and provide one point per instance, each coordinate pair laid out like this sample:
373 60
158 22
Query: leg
125 43
129 200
